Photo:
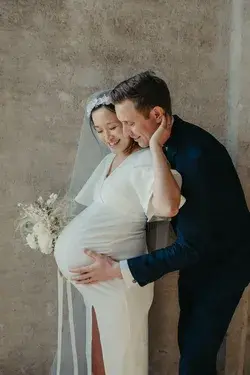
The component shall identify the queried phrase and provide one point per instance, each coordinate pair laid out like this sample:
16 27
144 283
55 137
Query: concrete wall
54 54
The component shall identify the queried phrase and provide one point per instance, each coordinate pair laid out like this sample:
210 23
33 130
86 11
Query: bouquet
41 222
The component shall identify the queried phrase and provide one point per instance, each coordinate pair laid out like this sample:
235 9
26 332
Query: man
212 248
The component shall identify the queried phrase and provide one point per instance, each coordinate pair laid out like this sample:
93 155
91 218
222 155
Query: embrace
154 167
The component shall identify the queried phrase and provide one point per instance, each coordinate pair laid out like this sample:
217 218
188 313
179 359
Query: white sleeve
86 194
178 179
142 179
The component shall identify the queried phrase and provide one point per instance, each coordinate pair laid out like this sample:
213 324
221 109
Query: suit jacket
215 219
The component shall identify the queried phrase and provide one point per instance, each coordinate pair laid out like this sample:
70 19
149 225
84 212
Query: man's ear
157 113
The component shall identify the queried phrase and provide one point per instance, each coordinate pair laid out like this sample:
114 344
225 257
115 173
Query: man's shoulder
191 135
192 130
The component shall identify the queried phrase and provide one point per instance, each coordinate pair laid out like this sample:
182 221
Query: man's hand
162 134
104 268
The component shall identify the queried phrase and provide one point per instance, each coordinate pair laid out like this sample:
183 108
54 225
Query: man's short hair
145 90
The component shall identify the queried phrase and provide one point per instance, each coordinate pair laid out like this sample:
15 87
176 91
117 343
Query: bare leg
97 357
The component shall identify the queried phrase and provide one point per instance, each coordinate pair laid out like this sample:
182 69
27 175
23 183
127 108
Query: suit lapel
170 155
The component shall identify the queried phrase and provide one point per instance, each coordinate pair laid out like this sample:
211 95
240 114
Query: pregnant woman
128 188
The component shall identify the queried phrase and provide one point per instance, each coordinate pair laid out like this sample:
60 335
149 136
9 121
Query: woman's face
109 130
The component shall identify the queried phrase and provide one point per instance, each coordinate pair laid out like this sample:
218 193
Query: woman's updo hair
110 107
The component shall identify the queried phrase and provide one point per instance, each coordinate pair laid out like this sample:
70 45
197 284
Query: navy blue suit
212 250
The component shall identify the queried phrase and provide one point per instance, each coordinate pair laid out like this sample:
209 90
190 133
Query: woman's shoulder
142 157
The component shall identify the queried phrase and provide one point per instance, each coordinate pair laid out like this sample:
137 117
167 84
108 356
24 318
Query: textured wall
243 156
54 54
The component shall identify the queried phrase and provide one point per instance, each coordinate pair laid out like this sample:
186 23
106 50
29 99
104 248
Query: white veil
71 358
71 354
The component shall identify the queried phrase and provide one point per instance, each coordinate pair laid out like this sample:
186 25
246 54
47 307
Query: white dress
114 224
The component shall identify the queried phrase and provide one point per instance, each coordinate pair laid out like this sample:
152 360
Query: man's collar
173 131
171 146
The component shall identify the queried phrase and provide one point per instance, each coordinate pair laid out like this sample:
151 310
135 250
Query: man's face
135 125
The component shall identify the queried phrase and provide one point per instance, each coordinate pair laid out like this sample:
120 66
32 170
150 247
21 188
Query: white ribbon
72 327
60 283
60 279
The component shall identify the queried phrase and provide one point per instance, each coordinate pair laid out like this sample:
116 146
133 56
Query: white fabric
126 274
157 238
60 322
74 335
72 328
114 224
89 154
86 194
62 356
142 179
90 151
143 173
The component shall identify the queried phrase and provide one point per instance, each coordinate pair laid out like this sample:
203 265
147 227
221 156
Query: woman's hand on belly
103 268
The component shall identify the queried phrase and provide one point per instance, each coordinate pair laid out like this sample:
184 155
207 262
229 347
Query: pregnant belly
97 235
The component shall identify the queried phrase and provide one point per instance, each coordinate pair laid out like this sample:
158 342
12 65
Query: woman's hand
162 134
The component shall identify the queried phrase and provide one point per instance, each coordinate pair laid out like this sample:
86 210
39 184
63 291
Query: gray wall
54 54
